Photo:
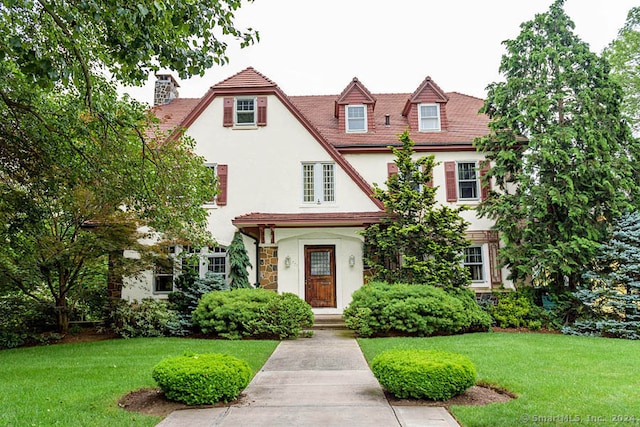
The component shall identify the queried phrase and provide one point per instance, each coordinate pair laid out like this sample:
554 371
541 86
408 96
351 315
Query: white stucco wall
347 241
265 167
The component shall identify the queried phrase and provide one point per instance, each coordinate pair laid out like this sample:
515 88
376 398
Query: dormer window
356 118
429 117
245 112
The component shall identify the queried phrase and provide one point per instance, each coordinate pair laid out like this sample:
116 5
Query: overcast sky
317 47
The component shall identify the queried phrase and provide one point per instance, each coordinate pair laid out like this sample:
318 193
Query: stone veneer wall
269 268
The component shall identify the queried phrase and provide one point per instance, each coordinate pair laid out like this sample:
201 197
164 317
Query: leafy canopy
564 162
82 169
418 241
623 54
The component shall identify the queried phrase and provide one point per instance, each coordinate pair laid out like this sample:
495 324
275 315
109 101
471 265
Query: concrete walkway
320 381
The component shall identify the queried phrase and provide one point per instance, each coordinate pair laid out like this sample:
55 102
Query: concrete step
329 321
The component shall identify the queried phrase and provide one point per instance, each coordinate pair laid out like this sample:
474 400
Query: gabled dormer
248 107
354 109
426 108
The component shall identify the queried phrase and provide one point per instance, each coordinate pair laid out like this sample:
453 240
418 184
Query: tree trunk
62 311
114 275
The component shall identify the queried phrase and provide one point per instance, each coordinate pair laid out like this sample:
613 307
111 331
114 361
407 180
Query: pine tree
612 293
238 263
417 242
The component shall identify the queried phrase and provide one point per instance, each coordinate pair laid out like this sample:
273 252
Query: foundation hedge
255 313
381 309
202 379
424 374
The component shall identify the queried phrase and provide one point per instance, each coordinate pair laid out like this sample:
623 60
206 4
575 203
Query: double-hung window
163 271
429 117
245 112
217 261
474 263
468 184
318 182
356 118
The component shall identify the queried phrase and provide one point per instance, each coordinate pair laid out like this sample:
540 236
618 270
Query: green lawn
560 380
80 384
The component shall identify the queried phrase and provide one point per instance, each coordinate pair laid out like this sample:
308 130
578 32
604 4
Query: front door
320 275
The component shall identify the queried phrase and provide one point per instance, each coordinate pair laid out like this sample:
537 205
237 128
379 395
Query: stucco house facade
295 176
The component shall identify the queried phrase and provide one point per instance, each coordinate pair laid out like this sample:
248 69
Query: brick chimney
166 89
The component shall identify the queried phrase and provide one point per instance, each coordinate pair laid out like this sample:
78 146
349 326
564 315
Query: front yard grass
80 384
560 380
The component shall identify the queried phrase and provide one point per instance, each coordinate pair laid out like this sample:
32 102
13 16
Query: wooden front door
320 275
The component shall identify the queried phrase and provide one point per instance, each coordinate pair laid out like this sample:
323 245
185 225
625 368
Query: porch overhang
255 223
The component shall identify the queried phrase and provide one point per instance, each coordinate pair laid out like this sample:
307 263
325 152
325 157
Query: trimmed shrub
258 313
419 374
147 318
282 317
518 310
380 308
202 379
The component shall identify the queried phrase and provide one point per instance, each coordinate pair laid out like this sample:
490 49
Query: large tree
92 199
82 169
67 47
564 162
418 241
623 54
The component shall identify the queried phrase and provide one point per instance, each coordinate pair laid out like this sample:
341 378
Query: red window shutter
221 198
262 111
450 181
430 182
228 112
484 192
392 169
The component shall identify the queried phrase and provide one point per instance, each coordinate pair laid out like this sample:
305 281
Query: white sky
317 47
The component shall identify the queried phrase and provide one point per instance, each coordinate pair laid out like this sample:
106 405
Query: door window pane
320 263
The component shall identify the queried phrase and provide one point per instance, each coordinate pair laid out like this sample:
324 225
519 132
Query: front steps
329 321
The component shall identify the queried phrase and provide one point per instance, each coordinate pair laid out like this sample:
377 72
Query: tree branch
76 52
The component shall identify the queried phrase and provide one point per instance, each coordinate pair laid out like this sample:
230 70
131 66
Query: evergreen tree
238 263
612 292
564 161
417 242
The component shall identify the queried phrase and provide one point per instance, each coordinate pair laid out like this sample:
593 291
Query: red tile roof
462 113
248 77
174 113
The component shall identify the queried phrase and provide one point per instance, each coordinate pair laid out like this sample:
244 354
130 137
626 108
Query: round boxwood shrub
201 379
430 374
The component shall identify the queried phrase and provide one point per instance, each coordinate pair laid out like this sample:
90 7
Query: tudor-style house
295 176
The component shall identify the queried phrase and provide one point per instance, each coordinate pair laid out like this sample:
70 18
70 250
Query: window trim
216 252
476 180
254 100
170 258
481 264
437 117
321 186
347 119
